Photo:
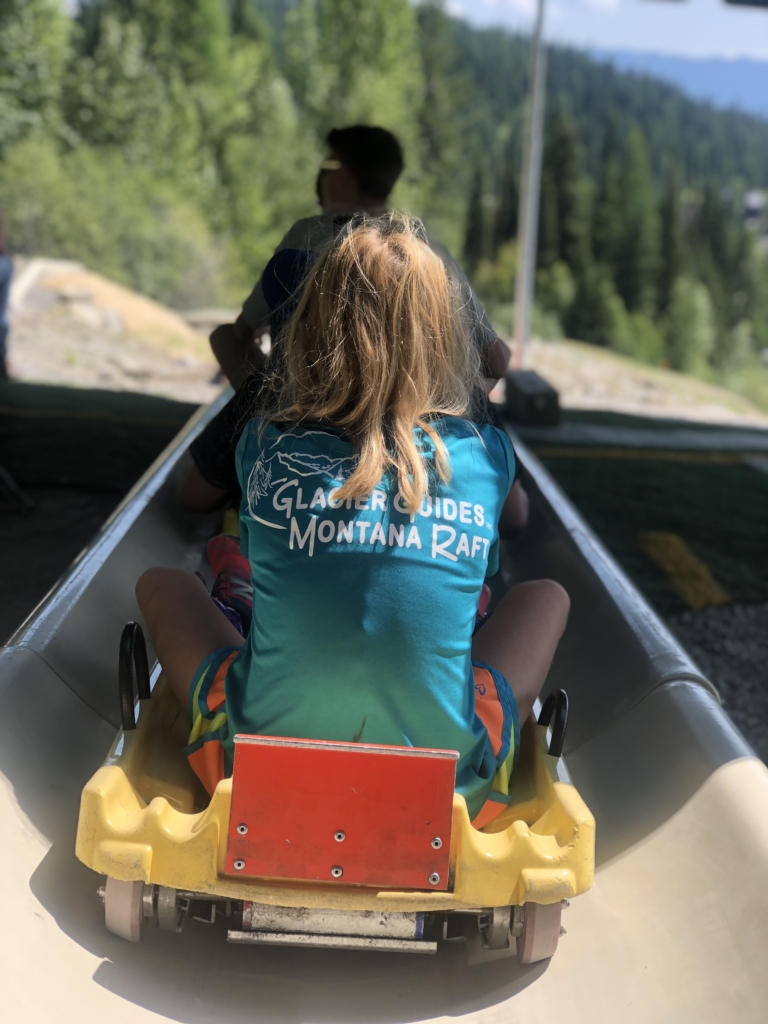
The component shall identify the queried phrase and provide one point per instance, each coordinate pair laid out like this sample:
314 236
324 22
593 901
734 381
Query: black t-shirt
213 451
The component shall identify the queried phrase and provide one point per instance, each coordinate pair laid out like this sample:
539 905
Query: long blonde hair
377 346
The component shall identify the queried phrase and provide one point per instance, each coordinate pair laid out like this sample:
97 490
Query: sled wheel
123 908
496 928
541 930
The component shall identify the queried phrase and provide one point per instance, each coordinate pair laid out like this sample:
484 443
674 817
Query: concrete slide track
675 929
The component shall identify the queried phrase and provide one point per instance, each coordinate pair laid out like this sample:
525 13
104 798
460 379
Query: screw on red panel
239 865
339 836
434 878
242 829
337 872
437 842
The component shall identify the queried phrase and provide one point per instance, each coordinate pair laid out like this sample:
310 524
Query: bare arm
237 351
195 494
495 360
514 514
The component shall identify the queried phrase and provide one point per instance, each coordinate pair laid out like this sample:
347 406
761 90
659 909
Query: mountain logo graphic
275 466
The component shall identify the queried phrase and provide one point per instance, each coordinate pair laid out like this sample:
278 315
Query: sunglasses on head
330 165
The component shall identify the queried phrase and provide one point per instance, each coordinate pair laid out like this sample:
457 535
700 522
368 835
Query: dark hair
374 156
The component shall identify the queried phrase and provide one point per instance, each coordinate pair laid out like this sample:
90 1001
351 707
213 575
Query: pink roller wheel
123 908
541 931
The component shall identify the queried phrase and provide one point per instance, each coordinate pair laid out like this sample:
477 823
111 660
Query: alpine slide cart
673 928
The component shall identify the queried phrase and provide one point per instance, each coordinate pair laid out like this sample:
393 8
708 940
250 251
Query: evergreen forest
171 143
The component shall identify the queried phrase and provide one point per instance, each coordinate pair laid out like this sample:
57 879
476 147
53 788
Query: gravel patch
730 644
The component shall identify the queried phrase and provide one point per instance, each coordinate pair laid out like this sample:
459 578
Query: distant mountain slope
491 65
710 143
737 84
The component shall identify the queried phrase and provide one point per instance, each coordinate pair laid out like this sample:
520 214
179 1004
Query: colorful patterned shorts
497 709
208 715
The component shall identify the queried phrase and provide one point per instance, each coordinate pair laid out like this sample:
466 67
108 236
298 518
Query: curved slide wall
675 929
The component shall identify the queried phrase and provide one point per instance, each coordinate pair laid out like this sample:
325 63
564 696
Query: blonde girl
371 515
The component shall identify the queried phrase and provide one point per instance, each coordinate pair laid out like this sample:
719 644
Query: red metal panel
305 808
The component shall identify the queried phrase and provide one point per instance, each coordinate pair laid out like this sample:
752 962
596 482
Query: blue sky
696 28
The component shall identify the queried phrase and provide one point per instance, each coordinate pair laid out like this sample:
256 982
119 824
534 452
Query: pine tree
564 221
716 257
691 327
448 103
607 214
713 229
187 43
548 248
597 313
187 35
474 234
33 50
505 222
671 256
246 21
266 162
115 96
227 133
637 259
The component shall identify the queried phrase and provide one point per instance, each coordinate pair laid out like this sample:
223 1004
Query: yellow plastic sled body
143 818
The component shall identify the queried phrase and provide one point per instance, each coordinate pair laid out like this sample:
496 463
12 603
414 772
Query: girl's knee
147 585
547 592
546 600
557 601
556 595
159 580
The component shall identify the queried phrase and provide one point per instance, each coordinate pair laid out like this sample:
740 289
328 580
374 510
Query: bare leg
184 624
520 638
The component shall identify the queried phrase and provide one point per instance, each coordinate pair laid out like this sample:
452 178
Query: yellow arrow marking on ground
689 576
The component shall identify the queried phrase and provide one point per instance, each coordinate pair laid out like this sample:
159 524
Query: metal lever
132 659
556 704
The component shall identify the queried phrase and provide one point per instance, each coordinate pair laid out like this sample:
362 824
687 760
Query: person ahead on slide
362 167
371 514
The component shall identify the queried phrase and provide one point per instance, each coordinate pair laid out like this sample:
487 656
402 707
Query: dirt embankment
72 326
588 377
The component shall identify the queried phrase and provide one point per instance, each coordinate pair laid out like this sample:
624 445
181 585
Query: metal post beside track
528 210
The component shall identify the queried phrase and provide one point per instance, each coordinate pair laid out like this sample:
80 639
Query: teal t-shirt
363 613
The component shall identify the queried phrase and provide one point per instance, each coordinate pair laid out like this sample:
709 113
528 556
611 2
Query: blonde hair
377 346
